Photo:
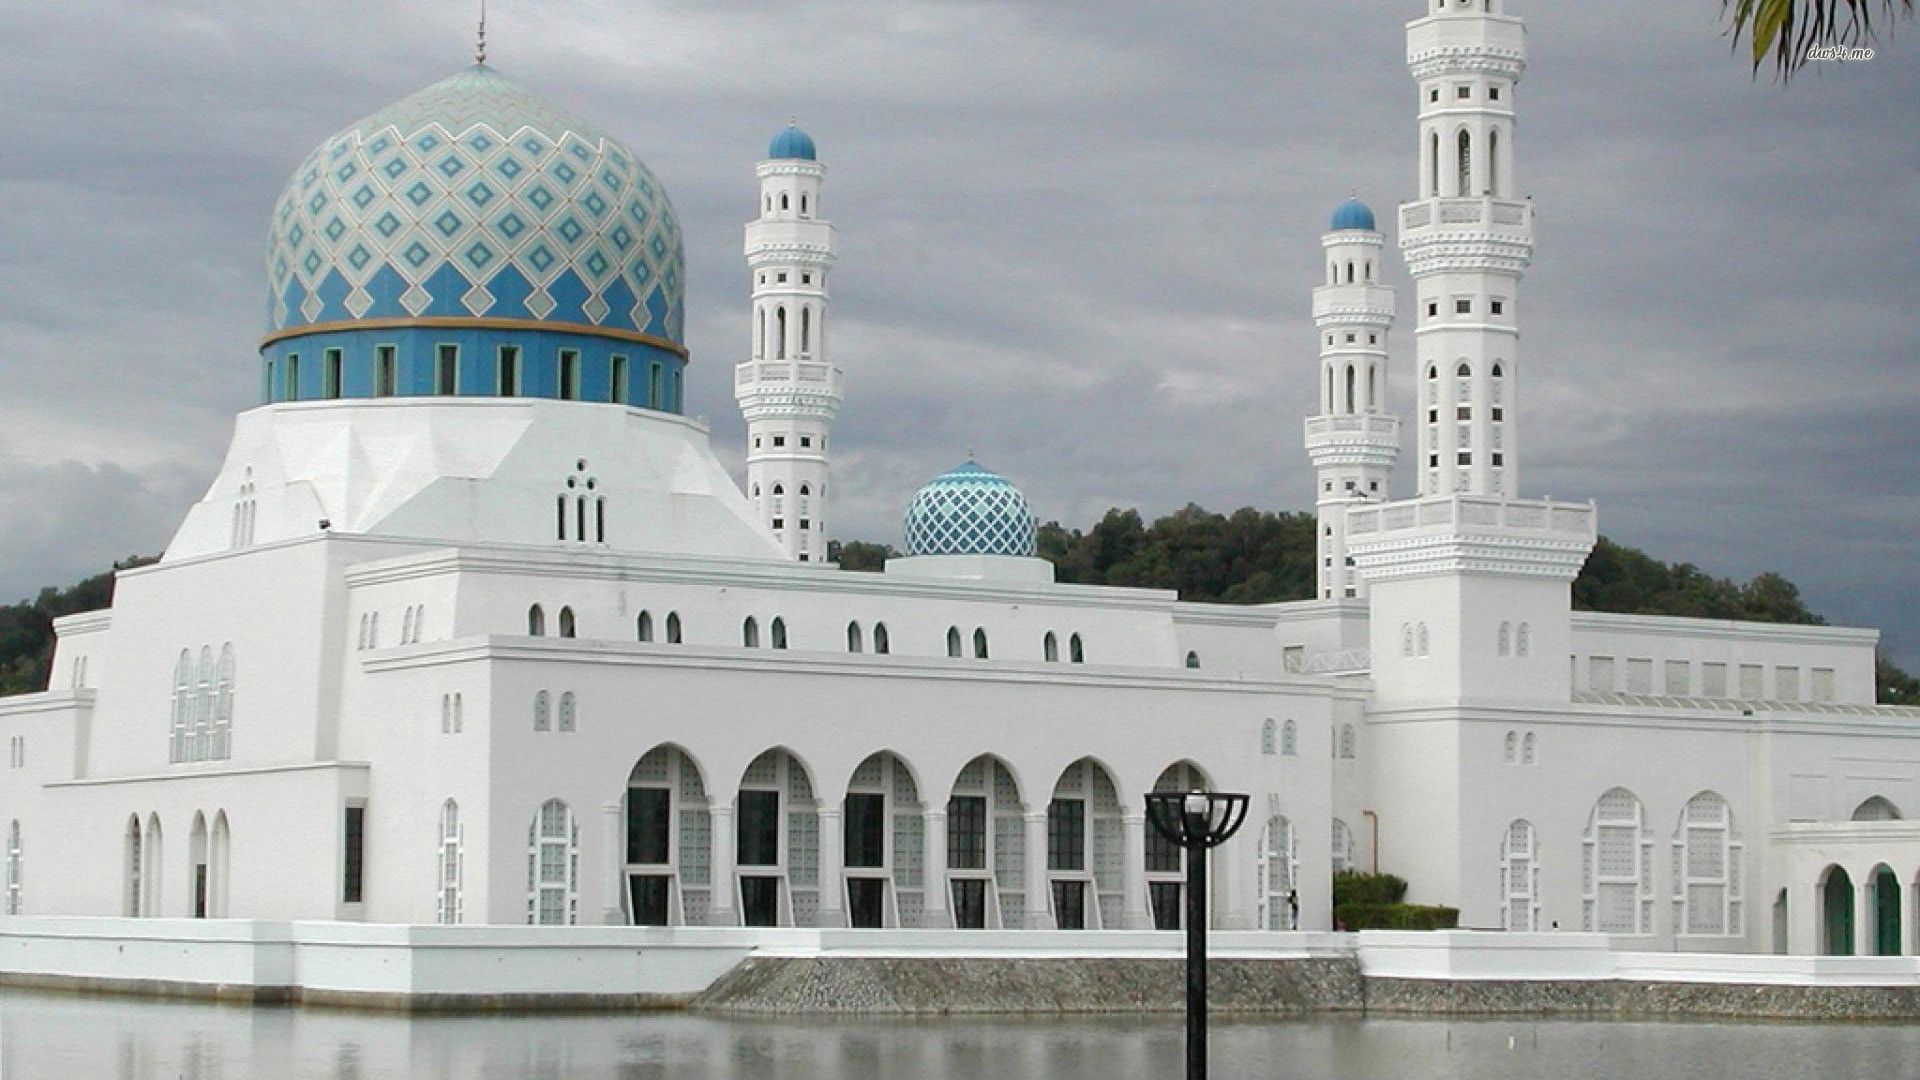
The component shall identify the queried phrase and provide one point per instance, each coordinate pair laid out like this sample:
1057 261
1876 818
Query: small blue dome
970 511
1353 214
792 143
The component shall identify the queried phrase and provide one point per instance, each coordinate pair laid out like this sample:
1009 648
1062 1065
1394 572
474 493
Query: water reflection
69 1038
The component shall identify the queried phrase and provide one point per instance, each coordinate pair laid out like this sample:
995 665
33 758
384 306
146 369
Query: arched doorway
1780 923
198 872
1836 913
986 879
885 845
1279 875
777 843
1084 860
667 862
1886 911
1166 860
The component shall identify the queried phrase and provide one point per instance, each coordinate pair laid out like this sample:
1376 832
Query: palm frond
1788 28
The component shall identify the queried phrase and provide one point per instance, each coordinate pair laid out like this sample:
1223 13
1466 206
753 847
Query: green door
1886 913
1837 900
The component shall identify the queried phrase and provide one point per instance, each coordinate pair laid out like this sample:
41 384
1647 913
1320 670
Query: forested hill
1248 557
1252 557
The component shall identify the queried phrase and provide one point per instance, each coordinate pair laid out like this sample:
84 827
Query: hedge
1395 917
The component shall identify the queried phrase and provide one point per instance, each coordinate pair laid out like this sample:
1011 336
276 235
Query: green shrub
1395 917
1354 887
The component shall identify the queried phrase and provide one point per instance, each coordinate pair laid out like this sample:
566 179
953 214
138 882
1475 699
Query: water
63 1037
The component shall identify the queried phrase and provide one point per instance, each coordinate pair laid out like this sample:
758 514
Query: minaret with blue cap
789 390
1354 439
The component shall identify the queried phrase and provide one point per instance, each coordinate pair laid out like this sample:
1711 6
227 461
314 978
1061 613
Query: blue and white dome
970 511
1352 214
791 143
472 199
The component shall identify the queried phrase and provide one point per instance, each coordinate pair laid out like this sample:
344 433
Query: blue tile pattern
420 208
969 511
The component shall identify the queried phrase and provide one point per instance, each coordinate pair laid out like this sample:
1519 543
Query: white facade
367 682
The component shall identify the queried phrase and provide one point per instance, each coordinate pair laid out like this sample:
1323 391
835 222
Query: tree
26 628
1788 28
860 555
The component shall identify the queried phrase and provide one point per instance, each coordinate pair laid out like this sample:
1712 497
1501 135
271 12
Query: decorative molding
465 323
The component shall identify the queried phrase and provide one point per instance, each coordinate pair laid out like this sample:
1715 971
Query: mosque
473 627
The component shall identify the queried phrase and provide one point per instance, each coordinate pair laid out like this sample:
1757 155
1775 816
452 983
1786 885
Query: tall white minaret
789 392
1467 239
1354 439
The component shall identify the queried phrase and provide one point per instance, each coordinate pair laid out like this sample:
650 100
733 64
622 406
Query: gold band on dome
445 322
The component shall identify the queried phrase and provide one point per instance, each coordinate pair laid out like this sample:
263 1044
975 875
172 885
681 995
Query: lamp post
1197 821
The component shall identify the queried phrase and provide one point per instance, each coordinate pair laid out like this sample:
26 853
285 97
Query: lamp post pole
1197 821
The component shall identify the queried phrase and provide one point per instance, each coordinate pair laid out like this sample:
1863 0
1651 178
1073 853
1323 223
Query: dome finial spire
480 43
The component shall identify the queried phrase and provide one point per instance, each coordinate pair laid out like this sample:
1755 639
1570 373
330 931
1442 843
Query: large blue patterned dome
475 199
969 511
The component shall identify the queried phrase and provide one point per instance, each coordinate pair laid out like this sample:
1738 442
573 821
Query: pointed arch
643 627
856 642
882 643
1512 756
1050 648
1279 875
1076 652
750 633
131 868
777 631
953 641
667 857
451 869
542 711
673 628
1289 739
1707 856
1463 182
1193 660
985 875
553 866
1085 861
1619 866
1877 808
979 643
536 622
567 627
1504 644
1519 877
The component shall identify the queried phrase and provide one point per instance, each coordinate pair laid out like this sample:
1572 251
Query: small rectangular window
1499 414
653 385
293 377
806 440
1433 461
332 373
1493 93
1349 339
1466 457
781 278
1433 94
1433 416
779 440
779 523
1462 93
806 279
803 524
1433 309
1464 412
1713 680
1679 681
1462 307
1600 674
569 374
384 374
1499 307
617 381
1373 339
508 382
1499 460
353 855
447 371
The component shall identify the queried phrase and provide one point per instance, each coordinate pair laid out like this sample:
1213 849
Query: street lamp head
1197 819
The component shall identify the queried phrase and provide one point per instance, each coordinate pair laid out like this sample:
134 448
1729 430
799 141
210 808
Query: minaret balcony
1357 427
1471 534
1508 215
813 374
1478 41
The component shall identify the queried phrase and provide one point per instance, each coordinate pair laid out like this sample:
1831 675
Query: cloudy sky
1076 236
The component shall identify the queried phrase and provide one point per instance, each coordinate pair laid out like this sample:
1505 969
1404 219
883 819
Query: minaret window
1493 162
1499 306
446 379
673 628
1349 271
780 327
806 331
1433 309
331 387
1350 380
1462 93
1373 398
1464 371
1463 185
783 200
266 383
1433 161
1463 307
759 330
383 371
803 204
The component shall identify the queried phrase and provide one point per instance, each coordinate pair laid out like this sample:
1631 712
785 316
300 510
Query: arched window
373 631
1050 648
1349 271
953 641
673 628
1493 162
803 204
1877 808
446 714
806 330
1406 639
1280 874
1342 847
1373 394
979 643
1706 858
566 622
553 866
750 633
1289 739
1368 274
1333 278
1463 184
1269 737
779 629
1513 748
780 328
1497 372
1433 165
1523 642
569 712
406 626
1527 748
536 621
182 706
1075 653
199 736
1464 371
1619 870
783 200
1347 741
643 627
1350 382
542 712
760 338
1519 878
452 865
1193 660
132 866
13 867
881 644
855 641
220 732
1505 645
1422 633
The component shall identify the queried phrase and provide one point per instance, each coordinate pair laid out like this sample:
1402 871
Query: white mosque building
473 627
